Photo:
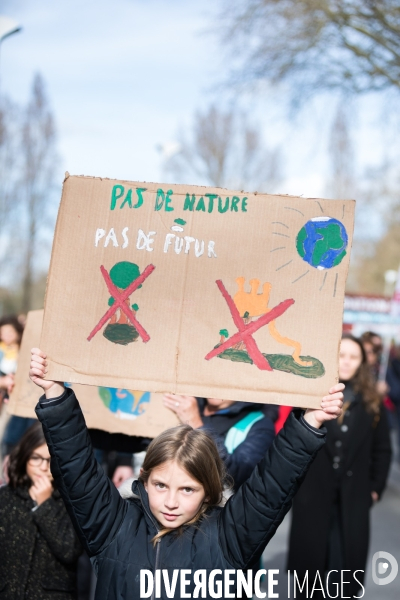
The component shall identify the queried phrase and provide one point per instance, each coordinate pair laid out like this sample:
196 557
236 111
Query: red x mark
245 332
120 298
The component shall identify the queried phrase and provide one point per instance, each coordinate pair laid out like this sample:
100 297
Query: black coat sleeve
381 454
251 517
92 501
55 526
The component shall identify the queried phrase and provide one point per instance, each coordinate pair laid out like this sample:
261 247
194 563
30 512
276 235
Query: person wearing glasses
39 548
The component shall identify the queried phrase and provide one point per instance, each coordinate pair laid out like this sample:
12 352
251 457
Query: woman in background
39 548
330 525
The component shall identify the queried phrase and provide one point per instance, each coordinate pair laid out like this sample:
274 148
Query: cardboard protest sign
196 290
113 410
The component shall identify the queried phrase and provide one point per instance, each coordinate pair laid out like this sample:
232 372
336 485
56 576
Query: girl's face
350 358
174 496
37 467
8 335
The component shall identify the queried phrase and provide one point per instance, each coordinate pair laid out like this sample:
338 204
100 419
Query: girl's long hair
363 381
32 439
196 453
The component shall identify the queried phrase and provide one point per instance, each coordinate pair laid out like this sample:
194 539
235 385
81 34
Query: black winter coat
118 533
365 468
38 549
241 462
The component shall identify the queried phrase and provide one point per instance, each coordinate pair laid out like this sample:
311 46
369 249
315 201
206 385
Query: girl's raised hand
37 371
331 407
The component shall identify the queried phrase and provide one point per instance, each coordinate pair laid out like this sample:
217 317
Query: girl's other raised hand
37 371
331 407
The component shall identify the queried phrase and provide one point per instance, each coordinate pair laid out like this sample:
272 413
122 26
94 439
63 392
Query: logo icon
384 563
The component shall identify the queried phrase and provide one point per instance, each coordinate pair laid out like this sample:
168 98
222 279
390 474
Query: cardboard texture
113 410
196 290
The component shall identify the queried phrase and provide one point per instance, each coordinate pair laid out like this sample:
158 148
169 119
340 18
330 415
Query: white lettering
228 583
184 583
272 582
319 589
257 579
198 250
245 583
145 574
305 584
211 250
170 588
344 582
215 587
144 241
158 584
168 240
332 584
125 237
363 588
188 240
178 245
200 579
111 236
99 234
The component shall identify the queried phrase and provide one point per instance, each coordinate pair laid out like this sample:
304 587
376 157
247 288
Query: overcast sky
122 76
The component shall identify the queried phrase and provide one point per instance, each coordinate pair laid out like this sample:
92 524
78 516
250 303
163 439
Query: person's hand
11 384
7 382
375 496
37 371
331 407
185 408
41 489
382 388
121 474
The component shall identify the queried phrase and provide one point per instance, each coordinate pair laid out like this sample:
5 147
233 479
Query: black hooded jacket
118 533
241 462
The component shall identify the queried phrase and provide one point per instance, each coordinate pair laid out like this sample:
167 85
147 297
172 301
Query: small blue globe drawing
124 403
322 242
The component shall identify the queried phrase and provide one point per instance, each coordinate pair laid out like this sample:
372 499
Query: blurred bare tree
224 149
342 178
342 181
380 254
36 181
28 163
351 45
9 137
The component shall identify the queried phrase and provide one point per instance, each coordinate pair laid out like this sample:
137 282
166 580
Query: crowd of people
230 471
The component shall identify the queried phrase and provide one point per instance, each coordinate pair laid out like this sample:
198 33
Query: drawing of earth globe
322 242
125 404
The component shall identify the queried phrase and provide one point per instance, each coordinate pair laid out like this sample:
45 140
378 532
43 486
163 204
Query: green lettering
168 208
201 205
220 209
160 198
139 192
127 199
115 195
211 198
234 204
189 202
244 204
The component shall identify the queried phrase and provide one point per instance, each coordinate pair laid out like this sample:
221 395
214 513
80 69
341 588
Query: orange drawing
252 304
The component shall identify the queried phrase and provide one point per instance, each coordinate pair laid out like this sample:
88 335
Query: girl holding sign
172 533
